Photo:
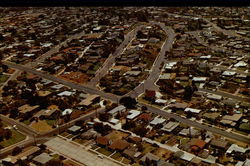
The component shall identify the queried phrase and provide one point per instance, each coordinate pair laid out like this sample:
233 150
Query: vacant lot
16 137
41 126
77 77
3 78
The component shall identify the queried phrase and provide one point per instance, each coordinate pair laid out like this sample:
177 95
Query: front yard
15 138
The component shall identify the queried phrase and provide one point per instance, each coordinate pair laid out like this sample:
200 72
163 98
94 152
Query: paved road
220 49
196 124
156 68
224 94
148 83
55 49
35 137
101 72
22 127
77 153
85 88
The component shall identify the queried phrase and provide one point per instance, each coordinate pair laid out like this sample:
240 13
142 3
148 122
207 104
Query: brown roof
145 117
134 139
219 143
150 93
131 151
27 108
198 143
119 145
102 140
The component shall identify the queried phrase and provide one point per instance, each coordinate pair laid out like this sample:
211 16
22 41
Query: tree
16 151
141 131
128 102
104 116
188 93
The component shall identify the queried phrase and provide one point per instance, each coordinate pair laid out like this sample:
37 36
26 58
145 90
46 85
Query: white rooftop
193 110
65 93
67 111
157 120
117 109
133 114
228 73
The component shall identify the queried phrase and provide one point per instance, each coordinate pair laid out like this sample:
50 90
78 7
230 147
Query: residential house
219 143
170 126
42 159
103 141
91 99
74 129
151 157
27 109
119 145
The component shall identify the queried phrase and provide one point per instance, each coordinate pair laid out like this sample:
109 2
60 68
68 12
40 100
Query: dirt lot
41 126
76 77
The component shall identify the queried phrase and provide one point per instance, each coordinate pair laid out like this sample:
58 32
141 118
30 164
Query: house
157 120
114 121
65 93
103 141
228 73
67 111
231 119
119 145
146 117
167 76
170 126
151 157
189 132
90 134
170 66
133 73
74 129
161 101
133 114
49 114
91 99
241 64
192 110
177 106
199 79
134 140
117 109
236 148
197 144
218 143
42 159
131 152
27 109
214 97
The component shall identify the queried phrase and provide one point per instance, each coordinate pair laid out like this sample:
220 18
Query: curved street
147 84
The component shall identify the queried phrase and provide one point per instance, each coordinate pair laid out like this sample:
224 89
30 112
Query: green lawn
50 122
27 122
104 151
117 156
126 161
3 78
16 137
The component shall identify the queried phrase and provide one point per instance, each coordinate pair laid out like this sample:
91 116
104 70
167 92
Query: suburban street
111 59
149 83
90 88
165 114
